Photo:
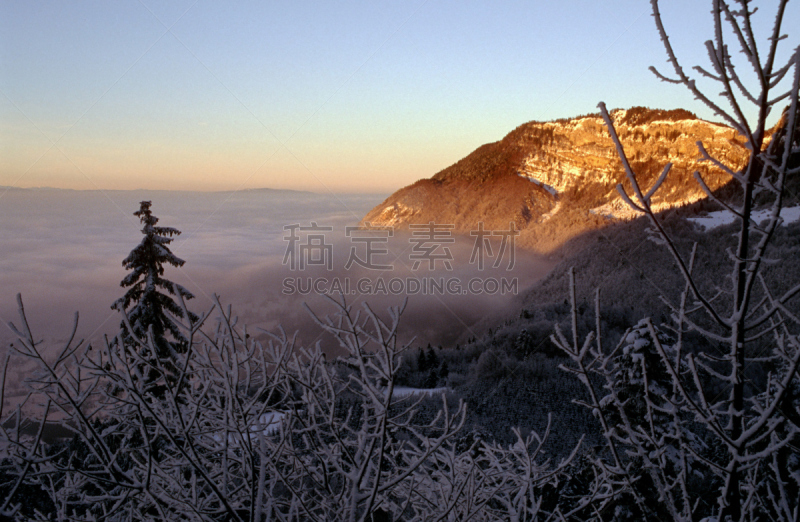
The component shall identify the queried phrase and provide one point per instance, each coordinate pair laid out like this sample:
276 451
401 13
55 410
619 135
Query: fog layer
63 251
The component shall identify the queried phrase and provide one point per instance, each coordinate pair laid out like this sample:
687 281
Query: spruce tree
148 302
432 359
422 361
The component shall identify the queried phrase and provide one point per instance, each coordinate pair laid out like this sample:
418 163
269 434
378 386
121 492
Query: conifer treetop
148 291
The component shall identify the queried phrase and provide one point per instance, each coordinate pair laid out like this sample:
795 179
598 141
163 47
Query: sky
333 96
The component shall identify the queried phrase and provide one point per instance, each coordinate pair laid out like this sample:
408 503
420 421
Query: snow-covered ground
269 422
552 213
723 217
552 190
404 391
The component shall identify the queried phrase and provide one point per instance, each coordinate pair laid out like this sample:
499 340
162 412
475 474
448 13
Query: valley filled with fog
63 249
63 252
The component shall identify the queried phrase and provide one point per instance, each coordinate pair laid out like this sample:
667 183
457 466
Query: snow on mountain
723 217
556 179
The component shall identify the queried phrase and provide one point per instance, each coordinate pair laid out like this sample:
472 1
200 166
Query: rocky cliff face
556 179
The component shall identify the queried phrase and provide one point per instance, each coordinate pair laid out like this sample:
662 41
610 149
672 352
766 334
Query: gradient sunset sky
321 96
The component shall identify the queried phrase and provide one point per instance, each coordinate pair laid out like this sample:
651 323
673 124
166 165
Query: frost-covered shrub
718 419
256 428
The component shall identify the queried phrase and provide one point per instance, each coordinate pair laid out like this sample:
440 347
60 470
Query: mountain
556 179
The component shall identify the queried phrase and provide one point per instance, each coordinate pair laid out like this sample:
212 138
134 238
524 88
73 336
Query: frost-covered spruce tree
148 305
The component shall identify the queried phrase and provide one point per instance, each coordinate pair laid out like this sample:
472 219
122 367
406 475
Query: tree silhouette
148 302
431 359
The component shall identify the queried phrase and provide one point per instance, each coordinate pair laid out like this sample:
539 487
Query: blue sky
321 96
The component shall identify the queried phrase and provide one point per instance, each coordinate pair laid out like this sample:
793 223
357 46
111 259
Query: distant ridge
265 189
249 191
556 179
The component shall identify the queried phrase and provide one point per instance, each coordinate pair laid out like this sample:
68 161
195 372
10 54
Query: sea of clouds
62 250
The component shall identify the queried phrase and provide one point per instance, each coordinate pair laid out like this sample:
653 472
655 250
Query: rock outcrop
556 179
